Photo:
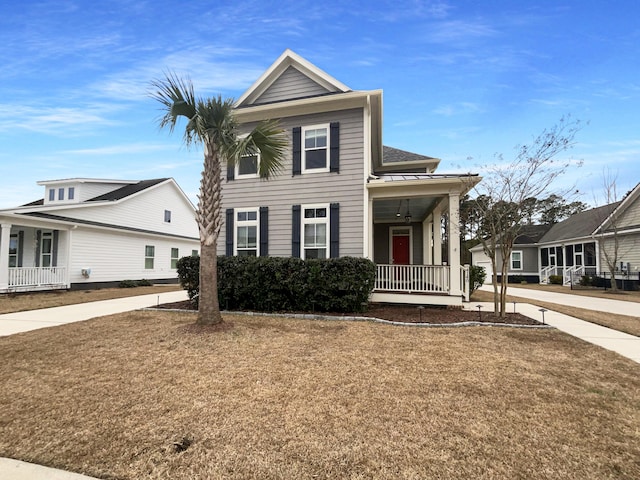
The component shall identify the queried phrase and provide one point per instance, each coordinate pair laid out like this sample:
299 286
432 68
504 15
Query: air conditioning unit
86 272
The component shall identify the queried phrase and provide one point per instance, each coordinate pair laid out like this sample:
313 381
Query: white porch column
437 236
426 241
454 243
5 237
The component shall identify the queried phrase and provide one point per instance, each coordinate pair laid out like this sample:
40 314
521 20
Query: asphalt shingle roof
127 190
579 225
394 155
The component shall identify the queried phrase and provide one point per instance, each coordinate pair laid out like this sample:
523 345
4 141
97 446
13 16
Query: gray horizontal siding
291 84
631 216
285 190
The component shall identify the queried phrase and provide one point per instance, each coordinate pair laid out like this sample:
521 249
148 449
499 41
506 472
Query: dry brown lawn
623 323
280 398
18 302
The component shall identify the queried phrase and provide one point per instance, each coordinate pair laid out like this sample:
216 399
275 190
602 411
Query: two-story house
342 193
89 233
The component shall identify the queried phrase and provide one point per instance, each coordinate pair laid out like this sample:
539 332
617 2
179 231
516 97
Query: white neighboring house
91 233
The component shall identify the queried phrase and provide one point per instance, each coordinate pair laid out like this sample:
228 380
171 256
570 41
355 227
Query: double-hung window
516 260
46 249
315 151
13 250
174 258
315 231
149 256
246 233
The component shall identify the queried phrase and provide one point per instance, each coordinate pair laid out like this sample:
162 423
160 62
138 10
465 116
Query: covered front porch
33 257
415 240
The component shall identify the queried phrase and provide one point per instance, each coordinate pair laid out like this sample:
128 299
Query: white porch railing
413 278
465 282
570 273
545 273
37 276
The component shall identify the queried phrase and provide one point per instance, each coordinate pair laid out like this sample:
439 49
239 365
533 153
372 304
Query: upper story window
246 233
61 194
167 216
247 166
315 148
72 193
52 194
315 231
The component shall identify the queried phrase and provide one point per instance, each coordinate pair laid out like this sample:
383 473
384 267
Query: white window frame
174 260
325 126
240 176
46 235
71 193
61 194
52 194
167 216
151 257
315 221
246 223
511 260
14 244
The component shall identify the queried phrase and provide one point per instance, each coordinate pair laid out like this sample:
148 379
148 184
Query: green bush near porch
275 284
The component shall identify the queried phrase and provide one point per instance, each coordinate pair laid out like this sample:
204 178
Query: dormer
77 190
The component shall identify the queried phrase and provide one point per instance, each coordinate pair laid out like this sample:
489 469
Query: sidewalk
17 322
619 342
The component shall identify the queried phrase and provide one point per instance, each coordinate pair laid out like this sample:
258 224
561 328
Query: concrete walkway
622 343
11 323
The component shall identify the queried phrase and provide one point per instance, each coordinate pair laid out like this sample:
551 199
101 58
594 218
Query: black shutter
334 151
231 171
54 249
334 226
38 246
295 231
297 150
20 246
229 233
264 231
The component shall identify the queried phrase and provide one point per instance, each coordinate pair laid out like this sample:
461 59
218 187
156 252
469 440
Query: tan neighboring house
89 233
342 193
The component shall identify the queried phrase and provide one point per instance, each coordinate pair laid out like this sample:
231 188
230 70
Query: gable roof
288 60
531 234
579 225
396 160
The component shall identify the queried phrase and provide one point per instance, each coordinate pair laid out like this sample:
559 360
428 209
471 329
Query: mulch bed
410 314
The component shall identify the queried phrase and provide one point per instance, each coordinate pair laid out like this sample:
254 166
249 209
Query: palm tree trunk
209 222
208 306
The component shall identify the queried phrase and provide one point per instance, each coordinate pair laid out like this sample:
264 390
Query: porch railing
570 273
413 278
37 276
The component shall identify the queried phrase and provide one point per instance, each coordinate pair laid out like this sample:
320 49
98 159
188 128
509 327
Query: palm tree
212 123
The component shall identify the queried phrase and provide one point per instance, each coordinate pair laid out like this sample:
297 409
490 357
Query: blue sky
462 79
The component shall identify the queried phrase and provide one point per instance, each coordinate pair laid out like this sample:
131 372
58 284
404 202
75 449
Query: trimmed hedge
275 284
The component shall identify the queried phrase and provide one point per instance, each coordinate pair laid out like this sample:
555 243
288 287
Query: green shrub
144 283
555 279
586 281
272 284
128 284
477 276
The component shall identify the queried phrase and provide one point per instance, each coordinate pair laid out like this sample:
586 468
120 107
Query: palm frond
177 97
270 140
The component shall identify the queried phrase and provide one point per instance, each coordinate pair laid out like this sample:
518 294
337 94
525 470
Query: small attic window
167 216
52 194
61 194
72 192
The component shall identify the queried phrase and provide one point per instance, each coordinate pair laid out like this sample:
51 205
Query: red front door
400 249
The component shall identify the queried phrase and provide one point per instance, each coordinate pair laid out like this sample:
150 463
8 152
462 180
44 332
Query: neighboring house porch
33 257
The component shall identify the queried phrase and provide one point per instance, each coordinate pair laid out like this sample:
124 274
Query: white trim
285 60
246 223
309 221
402 228
236 168
303 149
521 260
